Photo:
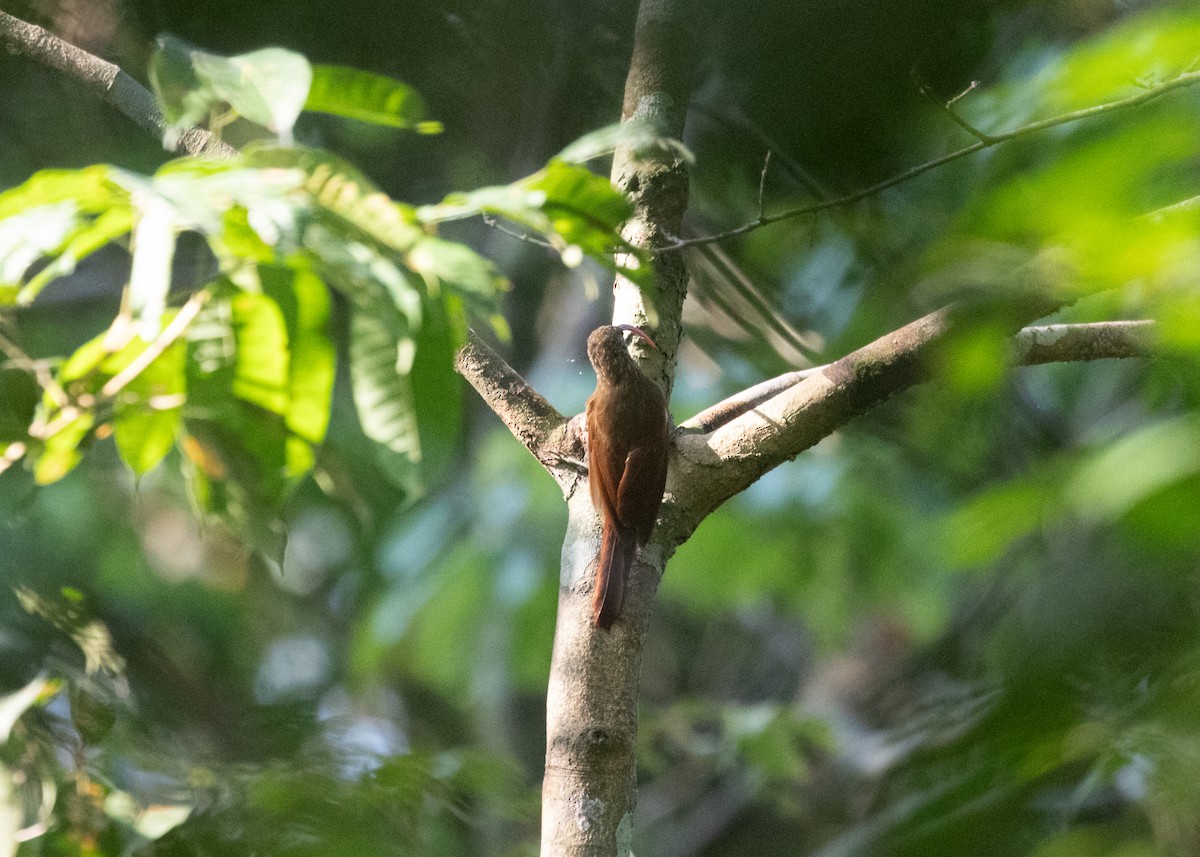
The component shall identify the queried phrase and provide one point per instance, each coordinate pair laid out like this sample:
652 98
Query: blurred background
967 624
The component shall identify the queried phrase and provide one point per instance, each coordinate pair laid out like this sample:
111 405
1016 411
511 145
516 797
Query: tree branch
1032 346
710 468
554 440
105 80
983 141
1064 343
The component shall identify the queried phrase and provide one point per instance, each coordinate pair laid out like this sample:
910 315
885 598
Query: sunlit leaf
267 86
635 134
148 411
368 97
87 239
260 373
343 191
27 237
89 189
304 302
153 250
457 265
61 451
1136 467
1146 50
574 210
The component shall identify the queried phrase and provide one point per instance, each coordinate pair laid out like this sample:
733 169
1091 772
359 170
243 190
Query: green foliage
248 398
576 210
368 97
967 623
269 86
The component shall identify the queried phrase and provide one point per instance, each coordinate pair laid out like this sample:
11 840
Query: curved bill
637 331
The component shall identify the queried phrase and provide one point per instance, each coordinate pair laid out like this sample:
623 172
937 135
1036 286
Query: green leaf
1143 50
379 365
1134 468
455 265
86 240
578 212
368 97
150 276
90 190
148 412
27 237
635 134
304 303
260 372
19 395
267 86
60 452
341 191
985 528
437 391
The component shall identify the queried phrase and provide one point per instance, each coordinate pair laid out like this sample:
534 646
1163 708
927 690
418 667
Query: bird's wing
603 474
641 490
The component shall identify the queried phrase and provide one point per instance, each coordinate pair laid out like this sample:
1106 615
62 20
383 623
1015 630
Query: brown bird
627 461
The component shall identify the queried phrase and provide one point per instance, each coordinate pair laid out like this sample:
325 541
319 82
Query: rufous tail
612 571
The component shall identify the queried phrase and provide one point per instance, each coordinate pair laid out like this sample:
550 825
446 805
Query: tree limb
554 440
1052 343
710 468
105 80
1062 343
983 141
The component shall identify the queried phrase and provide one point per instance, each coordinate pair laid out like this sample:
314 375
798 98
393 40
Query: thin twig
35 368
762 183
1183 80
963 94
495 223
168 335
957 118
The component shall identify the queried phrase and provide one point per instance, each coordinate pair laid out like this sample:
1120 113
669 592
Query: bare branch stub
1061 343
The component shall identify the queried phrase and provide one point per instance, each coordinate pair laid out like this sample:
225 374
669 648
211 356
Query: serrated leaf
368 97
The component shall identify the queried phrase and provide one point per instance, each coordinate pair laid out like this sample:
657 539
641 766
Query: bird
627 437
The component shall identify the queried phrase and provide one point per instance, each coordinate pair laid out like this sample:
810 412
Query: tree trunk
589 789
